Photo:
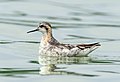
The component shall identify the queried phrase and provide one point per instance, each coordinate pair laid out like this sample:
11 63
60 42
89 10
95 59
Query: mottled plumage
49 46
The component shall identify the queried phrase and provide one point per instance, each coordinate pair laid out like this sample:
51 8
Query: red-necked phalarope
49 46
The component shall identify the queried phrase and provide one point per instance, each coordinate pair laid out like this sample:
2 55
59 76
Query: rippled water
73 21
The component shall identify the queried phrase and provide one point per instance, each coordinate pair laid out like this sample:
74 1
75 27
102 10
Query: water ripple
9 42
85 37
21 73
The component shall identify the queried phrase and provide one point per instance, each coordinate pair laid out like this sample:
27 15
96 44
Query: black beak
32 31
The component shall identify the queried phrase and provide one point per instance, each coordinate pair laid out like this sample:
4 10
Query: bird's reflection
48 60
49 65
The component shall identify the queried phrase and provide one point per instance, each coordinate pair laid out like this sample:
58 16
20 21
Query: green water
73 21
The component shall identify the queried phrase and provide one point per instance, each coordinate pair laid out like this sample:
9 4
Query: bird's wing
70 50
79 46
84 46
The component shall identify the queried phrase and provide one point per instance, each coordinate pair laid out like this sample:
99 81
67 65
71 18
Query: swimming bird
49 46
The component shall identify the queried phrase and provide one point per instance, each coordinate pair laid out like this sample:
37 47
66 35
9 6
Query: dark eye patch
42 26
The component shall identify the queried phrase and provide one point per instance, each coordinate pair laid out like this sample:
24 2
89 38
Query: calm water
73 21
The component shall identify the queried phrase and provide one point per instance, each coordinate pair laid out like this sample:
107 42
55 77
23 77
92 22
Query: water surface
78 21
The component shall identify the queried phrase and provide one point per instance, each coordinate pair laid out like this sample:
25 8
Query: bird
49 46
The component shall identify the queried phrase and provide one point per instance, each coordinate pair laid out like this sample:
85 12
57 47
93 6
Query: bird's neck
46 38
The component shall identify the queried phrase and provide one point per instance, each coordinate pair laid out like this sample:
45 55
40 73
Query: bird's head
43 27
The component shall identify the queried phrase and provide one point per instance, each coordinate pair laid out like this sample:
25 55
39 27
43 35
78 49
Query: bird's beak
32 30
